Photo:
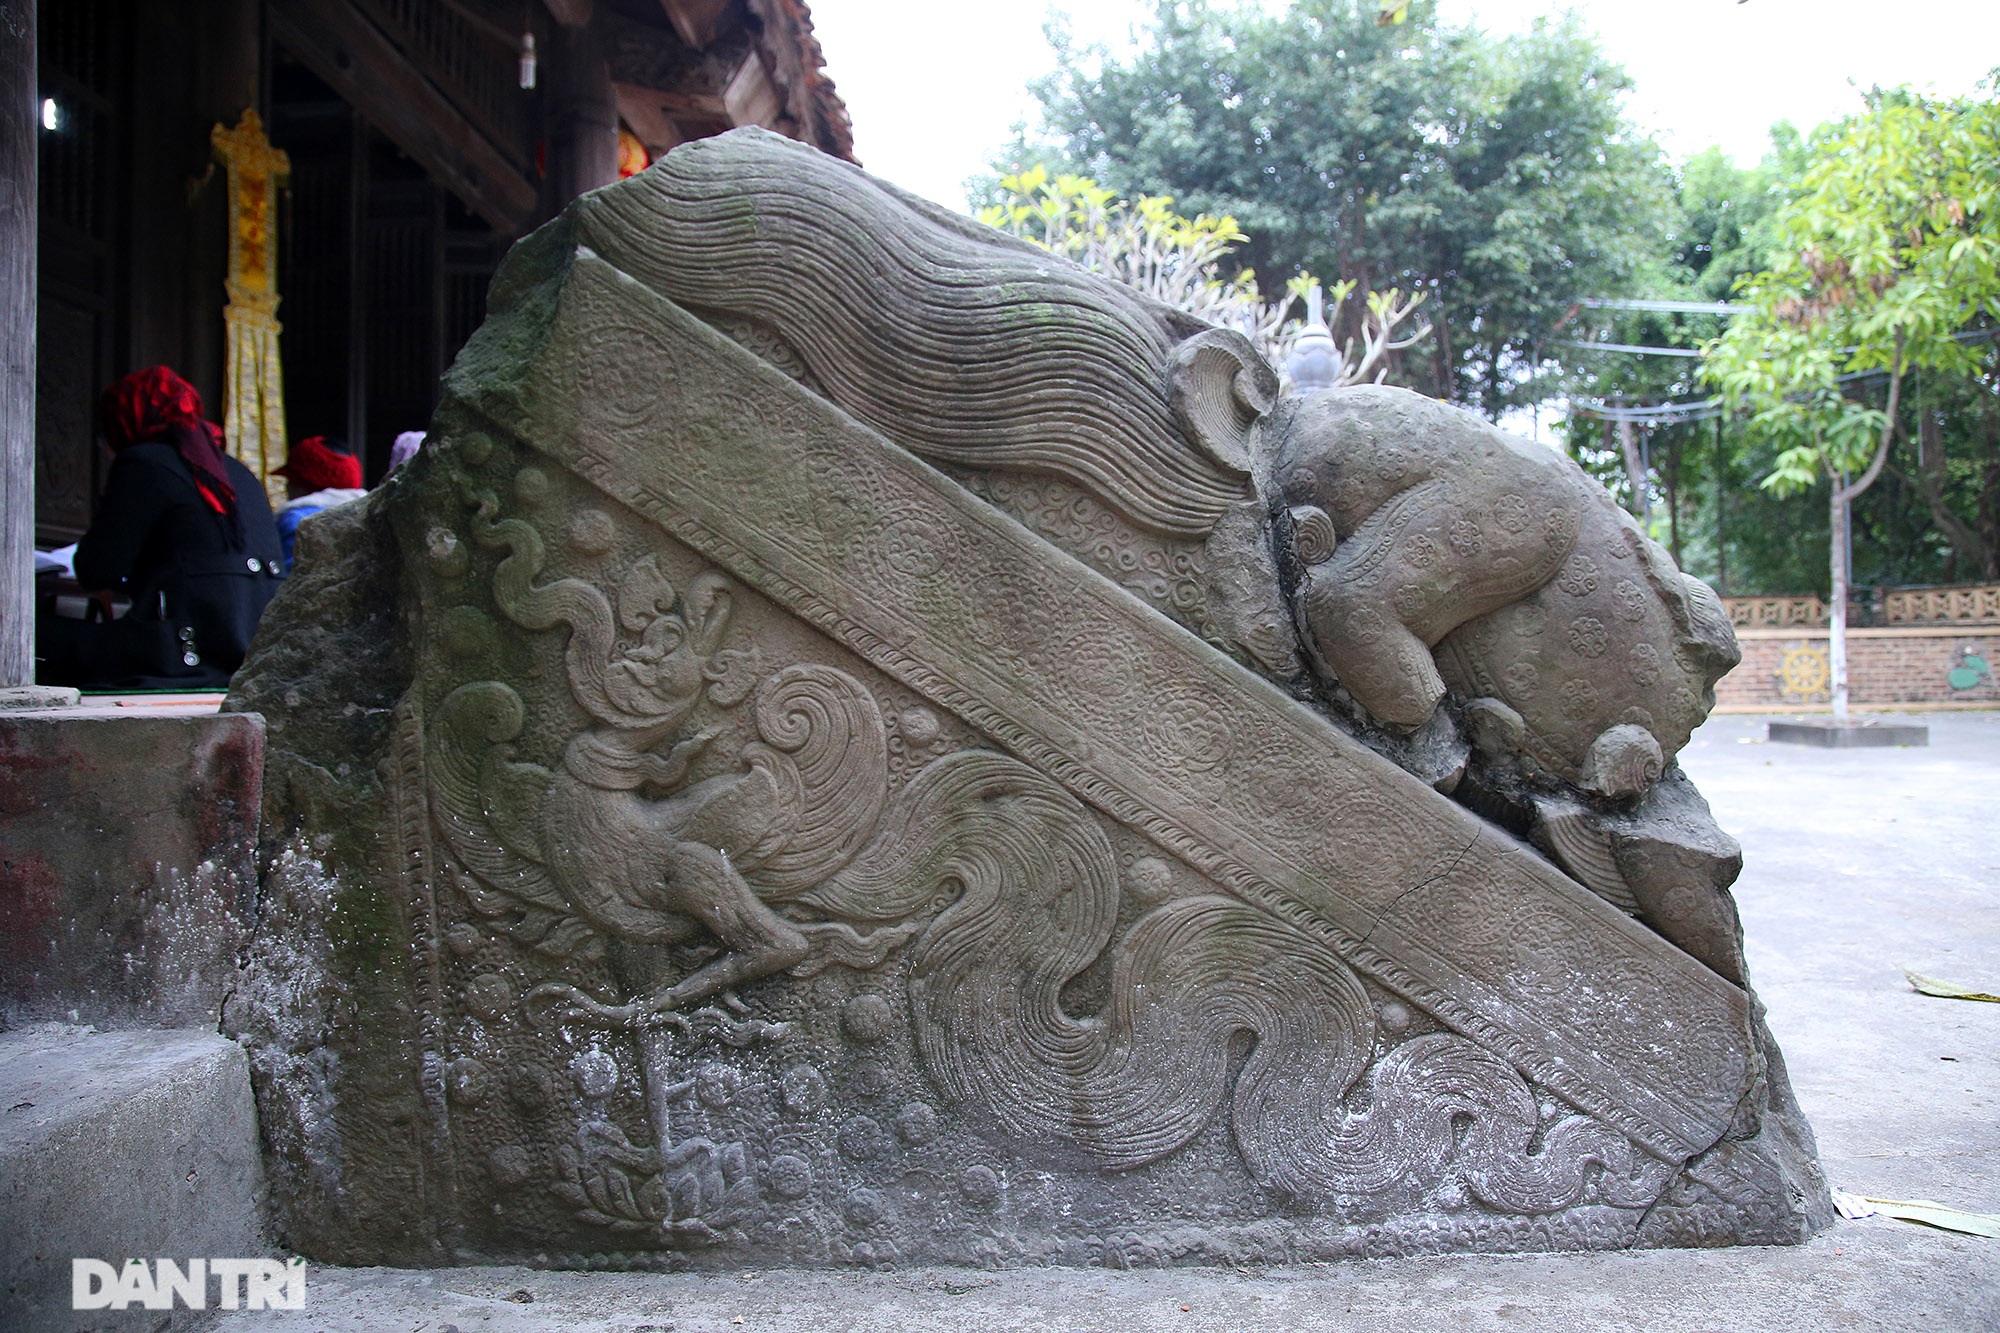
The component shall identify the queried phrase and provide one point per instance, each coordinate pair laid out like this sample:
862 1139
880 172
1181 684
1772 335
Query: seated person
405 448
184 530
320 473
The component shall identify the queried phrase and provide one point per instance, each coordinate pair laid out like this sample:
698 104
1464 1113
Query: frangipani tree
1887 254
1144 244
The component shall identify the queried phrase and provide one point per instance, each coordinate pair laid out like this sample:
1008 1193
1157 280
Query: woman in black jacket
186 532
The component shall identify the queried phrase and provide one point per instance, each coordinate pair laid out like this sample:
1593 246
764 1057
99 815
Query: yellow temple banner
253 387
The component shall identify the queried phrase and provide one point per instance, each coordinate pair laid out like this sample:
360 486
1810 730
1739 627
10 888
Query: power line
1699 410
1664 307
1657 414
1702 409
1629 347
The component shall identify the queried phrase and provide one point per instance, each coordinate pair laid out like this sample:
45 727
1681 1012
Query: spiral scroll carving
1037 904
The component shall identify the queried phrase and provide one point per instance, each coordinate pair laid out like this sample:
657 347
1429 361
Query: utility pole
1836 638
1721 515
1635 470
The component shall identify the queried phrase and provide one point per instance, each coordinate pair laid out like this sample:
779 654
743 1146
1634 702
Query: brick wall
1905 664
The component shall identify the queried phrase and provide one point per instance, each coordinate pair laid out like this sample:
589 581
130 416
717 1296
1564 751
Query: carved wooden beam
664 119
760 71
684 106
363 66
650 115
782 45
697 21
648 56
793 58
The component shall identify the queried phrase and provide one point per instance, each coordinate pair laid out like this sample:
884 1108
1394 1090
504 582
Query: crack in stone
1390 906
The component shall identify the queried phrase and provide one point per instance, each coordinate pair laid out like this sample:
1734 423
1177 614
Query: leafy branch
1180 261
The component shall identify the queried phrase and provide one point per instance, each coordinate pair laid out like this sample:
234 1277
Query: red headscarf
322 465
156 405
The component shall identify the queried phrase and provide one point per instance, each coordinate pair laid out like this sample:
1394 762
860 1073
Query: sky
936 88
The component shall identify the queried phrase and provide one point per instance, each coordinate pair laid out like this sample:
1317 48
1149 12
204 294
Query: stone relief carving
771 852
615 839
880 293
618 847
1168 574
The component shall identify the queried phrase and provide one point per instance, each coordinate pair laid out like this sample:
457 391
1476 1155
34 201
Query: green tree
1674 470
1725 232
1497 177
1956 469
1883 261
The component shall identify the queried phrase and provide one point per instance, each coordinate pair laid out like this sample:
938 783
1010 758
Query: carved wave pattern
958 343
1037 904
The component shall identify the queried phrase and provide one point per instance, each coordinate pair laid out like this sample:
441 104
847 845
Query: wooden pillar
357 285
582 115
20 118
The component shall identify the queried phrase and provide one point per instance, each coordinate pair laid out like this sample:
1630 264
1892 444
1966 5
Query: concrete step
128 844
116 1145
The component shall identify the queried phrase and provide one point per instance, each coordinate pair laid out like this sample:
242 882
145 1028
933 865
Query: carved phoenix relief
803 858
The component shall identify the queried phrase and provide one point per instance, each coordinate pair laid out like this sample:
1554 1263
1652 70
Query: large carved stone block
811 765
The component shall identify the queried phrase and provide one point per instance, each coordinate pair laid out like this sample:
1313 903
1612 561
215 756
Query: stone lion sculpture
1430 552
1427 555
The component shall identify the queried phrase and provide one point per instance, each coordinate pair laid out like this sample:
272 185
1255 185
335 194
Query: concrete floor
1859 863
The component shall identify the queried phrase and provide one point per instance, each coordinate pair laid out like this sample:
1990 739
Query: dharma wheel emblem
1804 672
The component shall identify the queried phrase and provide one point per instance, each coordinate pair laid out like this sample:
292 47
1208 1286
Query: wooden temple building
397 148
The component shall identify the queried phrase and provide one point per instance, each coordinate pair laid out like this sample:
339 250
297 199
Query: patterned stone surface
748 845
